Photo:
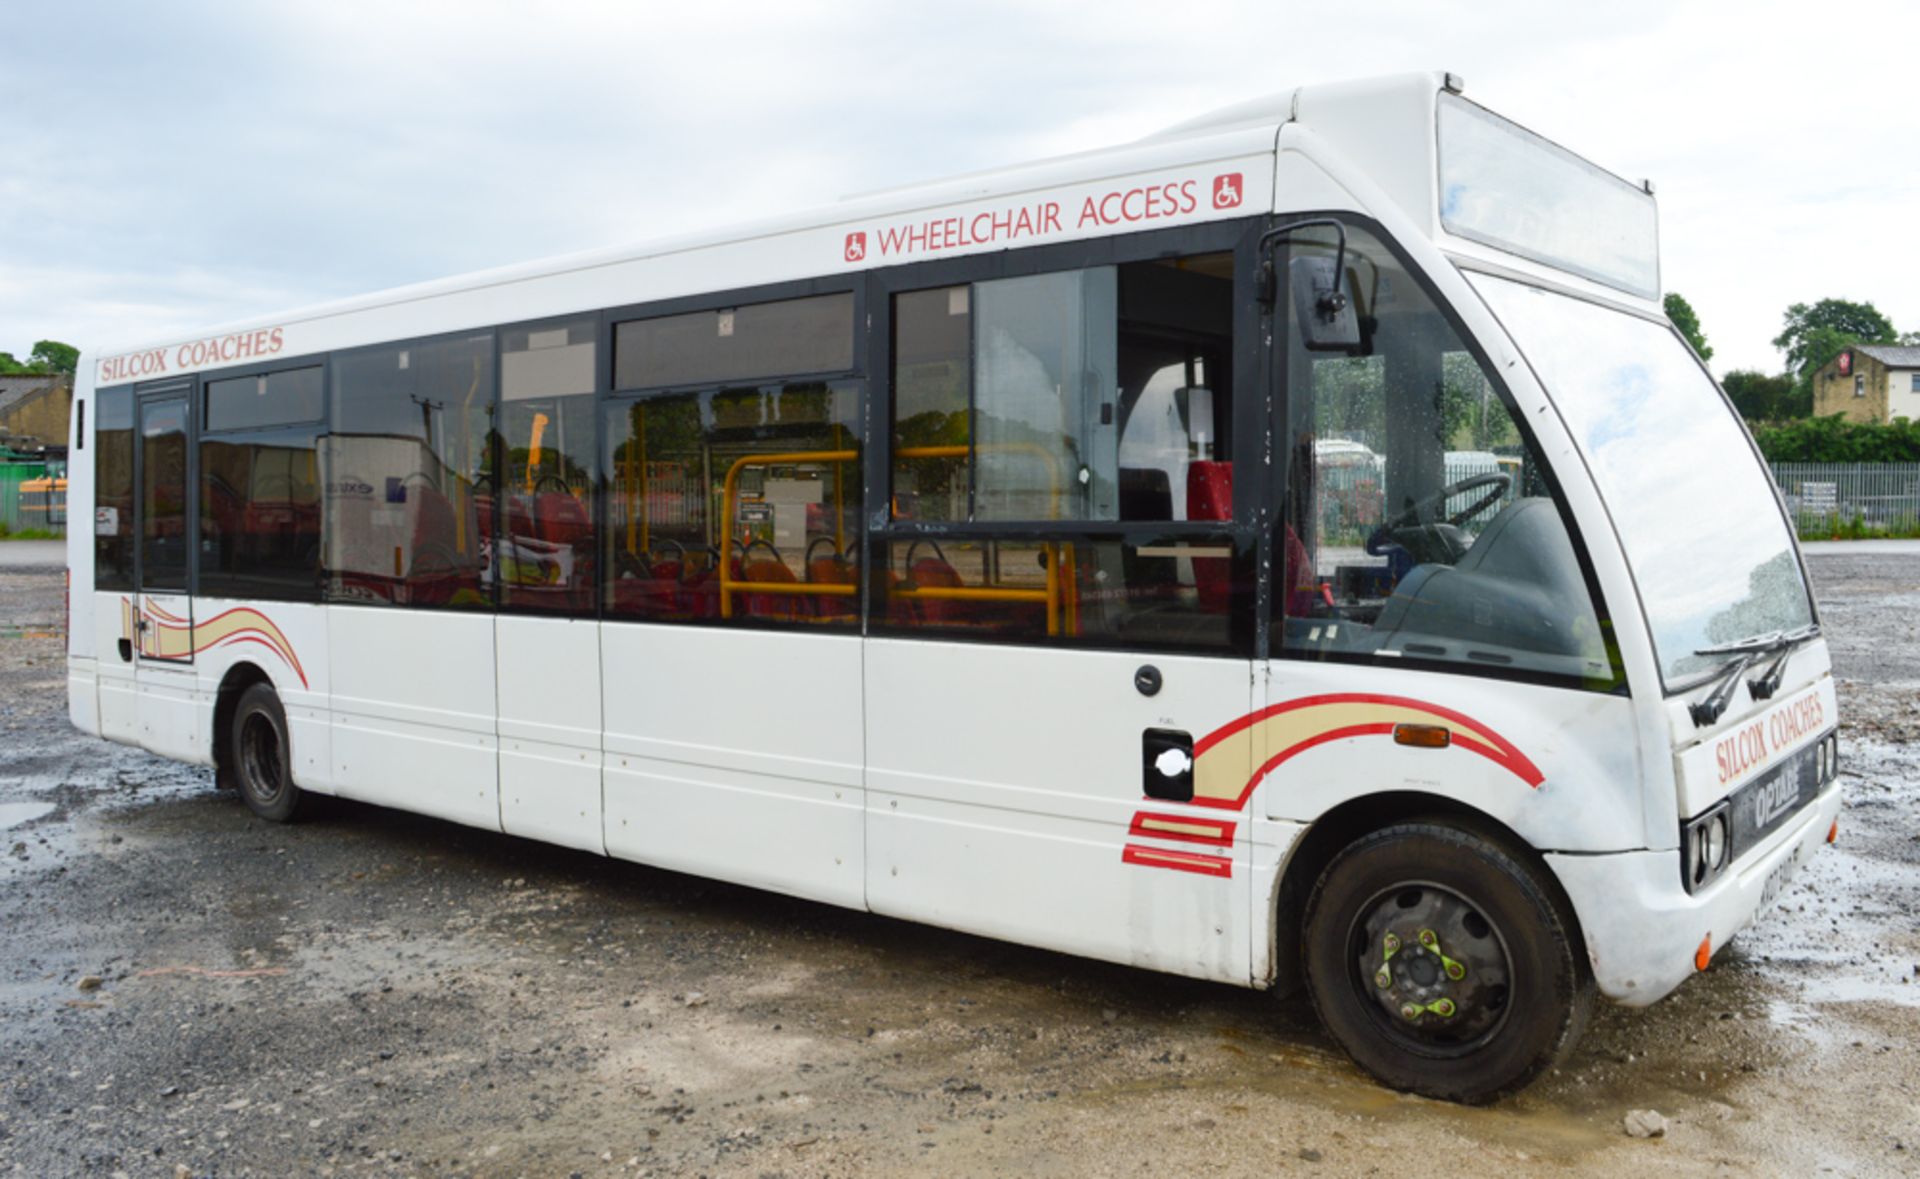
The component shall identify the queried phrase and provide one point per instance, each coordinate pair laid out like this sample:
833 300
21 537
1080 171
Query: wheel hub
1435 966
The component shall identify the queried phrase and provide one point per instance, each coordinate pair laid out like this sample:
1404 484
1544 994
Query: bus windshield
1696 513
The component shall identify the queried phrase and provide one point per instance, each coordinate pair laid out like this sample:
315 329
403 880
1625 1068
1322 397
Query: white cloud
296 152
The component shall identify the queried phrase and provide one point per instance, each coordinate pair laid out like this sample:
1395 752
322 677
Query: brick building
1870 383
33 411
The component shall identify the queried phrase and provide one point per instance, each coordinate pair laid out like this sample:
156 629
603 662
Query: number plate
1777 879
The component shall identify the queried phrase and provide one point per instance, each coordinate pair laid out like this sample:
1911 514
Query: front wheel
261 765
1444 963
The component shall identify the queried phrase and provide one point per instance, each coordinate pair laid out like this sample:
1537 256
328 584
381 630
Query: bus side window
539 505
260 486
406 468
738 504
1076 398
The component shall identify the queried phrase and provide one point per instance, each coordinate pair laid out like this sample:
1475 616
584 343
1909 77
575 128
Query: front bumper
1642 927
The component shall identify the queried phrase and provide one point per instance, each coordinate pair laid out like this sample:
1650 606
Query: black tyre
1444 963
262 768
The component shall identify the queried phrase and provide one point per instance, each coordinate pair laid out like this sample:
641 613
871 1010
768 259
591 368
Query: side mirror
1327 321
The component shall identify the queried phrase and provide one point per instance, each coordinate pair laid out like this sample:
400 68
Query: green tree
51 356
1814 335
1763 398
1681 313
9 367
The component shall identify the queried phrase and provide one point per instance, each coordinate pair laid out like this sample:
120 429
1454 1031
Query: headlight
1716 841
1706 847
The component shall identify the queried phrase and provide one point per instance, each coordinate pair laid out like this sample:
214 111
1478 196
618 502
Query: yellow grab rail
1059 554
730 489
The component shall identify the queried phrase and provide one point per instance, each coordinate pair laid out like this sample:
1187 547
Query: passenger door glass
163 494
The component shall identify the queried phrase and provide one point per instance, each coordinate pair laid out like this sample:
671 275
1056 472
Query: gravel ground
378 994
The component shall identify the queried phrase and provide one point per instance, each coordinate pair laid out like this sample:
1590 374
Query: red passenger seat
520 516
934 571
561 518
831 569
1210 497
769 571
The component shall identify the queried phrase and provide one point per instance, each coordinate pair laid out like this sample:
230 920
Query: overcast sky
172 166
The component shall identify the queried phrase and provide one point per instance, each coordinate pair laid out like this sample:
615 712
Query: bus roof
1383 126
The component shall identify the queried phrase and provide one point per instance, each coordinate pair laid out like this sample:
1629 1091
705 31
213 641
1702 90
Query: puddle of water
1842 933
12 814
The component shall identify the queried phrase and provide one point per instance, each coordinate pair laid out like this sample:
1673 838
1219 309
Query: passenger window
260 486
260 514
1081 395
113 490
408 469
1418 523
733 344
1080 398
735 504
269 399
545 554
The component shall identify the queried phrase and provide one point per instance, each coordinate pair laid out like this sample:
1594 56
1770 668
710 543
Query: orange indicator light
1423 736
1704 954
1833 832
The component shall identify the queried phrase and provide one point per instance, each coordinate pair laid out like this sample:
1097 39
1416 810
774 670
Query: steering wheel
1431 505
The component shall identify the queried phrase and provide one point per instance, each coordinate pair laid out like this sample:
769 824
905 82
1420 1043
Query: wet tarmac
374 993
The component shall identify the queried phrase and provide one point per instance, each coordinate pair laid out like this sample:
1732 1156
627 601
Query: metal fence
32 499
1829 499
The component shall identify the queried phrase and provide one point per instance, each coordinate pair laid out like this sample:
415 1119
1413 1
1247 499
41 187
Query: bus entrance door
158 619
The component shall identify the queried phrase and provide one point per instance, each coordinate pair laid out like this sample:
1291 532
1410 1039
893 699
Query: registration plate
1777 879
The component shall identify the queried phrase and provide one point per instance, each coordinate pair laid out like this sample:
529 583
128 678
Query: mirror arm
1329 304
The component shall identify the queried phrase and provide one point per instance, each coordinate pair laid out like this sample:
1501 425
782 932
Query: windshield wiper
1769 681
1745 653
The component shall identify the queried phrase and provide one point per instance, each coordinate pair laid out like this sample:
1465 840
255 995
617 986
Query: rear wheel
261 765
1444 963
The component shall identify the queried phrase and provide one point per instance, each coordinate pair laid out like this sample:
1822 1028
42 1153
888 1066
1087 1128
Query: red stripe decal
1219 831
1500 751
157 612
253 635
1179 861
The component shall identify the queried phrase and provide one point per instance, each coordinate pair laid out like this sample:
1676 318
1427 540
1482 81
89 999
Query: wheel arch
1358 817
233 684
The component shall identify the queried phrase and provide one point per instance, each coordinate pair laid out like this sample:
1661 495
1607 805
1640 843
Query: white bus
963 553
